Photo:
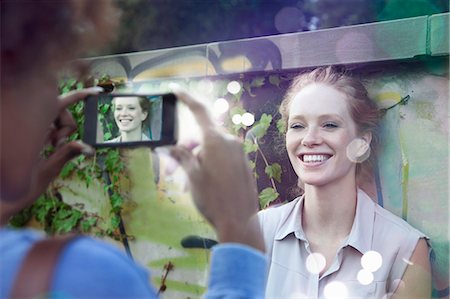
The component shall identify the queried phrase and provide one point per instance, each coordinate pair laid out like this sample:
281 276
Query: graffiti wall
250 77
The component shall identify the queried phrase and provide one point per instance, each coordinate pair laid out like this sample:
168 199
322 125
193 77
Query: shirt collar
292 222
360 236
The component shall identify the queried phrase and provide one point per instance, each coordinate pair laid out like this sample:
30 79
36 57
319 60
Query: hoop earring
358 150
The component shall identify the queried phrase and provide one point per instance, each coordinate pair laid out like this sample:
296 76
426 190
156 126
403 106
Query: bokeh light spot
335 289
236 119
365 277
221 106
289 19
234 87
371 261
358 150
315 263
247 119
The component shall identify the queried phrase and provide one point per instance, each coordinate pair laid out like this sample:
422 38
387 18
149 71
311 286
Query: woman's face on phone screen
128 114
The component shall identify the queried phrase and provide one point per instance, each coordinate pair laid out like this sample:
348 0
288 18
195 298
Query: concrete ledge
392 40
188 61
382 41
439 34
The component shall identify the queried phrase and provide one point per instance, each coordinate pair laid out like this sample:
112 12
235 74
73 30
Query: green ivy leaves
266 196
53 214
274 171
260 129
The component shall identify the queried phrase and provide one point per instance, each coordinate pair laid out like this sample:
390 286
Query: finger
184 157
75 96
199 110
53 165
64 126
50 168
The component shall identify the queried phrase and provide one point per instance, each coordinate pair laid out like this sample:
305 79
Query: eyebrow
323 116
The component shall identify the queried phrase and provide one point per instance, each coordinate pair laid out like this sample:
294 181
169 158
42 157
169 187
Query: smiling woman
332 240
131 115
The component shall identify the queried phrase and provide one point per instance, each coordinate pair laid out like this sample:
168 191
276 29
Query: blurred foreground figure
37 39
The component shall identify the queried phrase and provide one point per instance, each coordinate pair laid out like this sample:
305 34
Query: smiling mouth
307 158
125 121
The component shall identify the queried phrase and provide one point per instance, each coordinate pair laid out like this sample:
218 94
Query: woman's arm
417 277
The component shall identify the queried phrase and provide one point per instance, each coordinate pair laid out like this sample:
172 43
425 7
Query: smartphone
129 120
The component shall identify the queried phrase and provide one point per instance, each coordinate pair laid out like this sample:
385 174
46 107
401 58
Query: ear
144 115
367 137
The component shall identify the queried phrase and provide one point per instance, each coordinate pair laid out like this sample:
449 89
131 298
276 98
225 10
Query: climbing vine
254 134
106 166
53 214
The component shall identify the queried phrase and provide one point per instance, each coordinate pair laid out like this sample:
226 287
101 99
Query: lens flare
365 277
315 263
247 119
221 106
371 261
234 87
358 150
335 289
237 119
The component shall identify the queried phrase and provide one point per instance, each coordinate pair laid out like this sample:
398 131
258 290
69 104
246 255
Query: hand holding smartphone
128 120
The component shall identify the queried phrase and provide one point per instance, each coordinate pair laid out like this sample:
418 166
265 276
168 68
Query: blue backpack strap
36 271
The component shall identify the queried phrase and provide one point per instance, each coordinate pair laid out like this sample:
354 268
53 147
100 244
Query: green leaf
251 164
80 85
258 82
65 220
250 146
115 221
43 206
107 136
105 108
266 196
260 129
274 171
265 119
281 126
112 161
275 80
116 201
21 218
68 169
88 223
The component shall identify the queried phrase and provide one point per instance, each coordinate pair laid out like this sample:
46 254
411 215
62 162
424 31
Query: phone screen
118 120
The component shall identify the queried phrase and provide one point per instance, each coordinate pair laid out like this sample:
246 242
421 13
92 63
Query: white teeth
314 158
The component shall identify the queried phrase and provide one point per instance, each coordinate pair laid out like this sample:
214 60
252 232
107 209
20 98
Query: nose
312 137
124 111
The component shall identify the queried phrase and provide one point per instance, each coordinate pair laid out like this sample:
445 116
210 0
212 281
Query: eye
118 108
296 126
330 125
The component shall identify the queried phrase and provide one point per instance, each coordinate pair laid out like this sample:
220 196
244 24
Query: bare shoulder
417 277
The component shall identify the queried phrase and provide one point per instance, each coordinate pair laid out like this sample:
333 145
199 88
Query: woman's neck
330 209
135 135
